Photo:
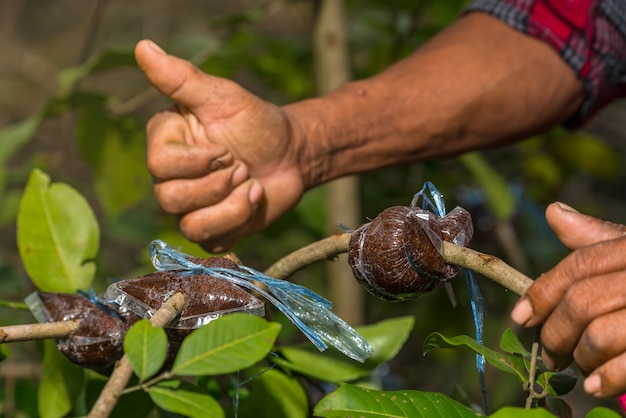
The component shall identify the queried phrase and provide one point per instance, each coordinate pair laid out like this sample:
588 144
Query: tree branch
123 371
488 265
326 249
42 331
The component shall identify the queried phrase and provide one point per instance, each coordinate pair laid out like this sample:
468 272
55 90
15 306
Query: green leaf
60 384
386 338
115 150
602 412
514 412
359 402
146 348
557 383
230 343
500 199
509 343
57 235
556 406
506 362
4 351
274 394
186 399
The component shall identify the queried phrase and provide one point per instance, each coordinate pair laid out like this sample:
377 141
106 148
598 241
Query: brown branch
123 371
42 331
487 265
325 249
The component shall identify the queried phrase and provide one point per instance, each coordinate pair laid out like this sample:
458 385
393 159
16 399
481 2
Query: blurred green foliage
83 122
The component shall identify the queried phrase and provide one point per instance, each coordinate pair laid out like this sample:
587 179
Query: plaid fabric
590 35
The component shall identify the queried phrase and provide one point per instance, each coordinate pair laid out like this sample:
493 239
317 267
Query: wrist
307 138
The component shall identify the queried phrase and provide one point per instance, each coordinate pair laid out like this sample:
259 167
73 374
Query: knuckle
169 199
594 336
192 230
594 345
575 303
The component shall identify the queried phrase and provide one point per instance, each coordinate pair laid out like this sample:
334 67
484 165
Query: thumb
576 230
180 80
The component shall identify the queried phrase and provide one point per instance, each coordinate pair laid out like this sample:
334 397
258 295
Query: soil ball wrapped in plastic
397 256
97 341
206 297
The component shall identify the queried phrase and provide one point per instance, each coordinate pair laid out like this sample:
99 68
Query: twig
28 332
532 375
487 265
325 249
123 371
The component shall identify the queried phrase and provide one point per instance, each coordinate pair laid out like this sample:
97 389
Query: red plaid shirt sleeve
590 35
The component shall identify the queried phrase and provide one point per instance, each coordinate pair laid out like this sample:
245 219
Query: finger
577 313
603 340
186 84
609 379
178 196
576 230
545 293
175 152
218 227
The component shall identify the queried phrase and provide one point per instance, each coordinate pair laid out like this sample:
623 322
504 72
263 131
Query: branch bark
119 378
487 265
42 331
325 249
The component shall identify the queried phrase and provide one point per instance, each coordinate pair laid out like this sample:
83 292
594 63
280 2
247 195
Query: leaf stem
123 371
14 305
163 376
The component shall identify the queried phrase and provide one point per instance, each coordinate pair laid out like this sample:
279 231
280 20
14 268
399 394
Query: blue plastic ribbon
307 310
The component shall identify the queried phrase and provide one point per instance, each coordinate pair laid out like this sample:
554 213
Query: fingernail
565 207
155 47
593 384
522 312
240 174
255 194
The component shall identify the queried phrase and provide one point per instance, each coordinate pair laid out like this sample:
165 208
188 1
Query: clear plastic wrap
398 255
206 298
306 309
97 341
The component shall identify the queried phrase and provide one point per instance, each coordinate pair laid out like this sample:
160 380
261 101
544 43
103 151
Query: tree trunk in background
342 195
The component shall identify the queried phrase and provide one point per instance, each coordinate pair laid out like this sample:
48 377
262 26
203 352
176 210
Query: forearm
477 84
